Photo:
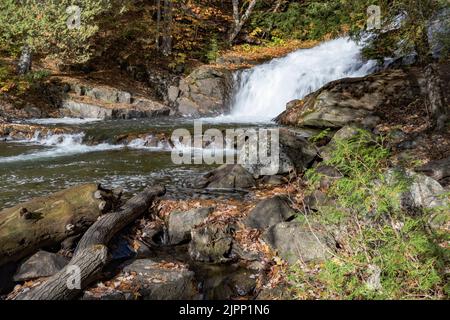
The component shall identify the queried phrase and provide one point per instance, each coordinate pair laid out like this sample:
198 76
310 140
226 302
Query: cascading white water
57 145
264 90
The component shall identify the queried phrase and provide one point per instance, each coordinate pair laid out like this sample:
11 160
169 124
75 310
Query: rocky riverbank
362 174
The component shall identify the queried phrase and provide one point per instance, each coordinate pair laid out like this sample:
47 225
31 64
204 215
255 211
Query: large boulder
345 133
148 280
294 153
269 212
352 100
41 264
142 108
424 193
180 223
158 282
228 176
211 243
296 241
206 91
103 93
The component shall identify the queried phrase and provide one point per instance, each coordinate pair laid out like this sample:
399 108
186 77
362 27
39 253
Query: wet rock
352 100
211 243
25 131
155 281
206 91
269 212
181 223
223 282
41 264
228 177
295 241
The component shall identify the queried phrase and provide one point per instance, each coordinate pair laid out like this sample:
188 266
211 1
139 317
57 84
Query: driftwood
47 221
91 253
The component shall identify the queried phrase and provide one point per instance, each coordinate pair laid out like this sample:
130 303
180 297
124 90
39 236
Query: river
42 165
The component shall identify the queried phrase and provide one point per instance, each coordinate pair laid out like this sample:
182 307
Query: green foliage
213 50
43 26
309 20
321 135
385 254
12 83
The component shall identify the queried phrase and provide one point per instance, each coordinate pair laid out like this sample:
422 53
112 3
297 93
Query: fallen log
47 221
91 253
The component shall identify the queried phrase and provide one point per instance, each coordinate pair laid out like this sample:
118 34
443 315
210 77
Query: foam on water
64 120
58 145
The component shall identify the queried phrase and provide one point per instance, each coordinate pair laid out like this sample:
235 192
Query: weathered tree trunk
438 106
47 221
239 20
25 61
91 254
158 23
166 46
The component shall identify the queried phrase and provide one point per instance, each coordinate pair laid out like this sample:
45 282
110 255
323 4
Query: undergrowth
383 252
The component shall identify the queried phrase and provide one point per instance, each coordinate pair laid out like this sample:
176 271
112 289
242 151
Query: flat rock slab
142 109
269 212
41 264
228 177
295 241
157 281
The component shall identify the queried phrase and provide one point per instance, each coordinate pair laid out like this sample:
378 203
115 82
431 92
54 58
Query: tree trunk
238 20
167 32
158 23
438 106
25 61
47 221
91 254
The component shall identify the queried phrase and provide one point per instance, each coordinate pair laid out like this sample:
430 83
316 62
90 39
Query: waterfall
262 92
